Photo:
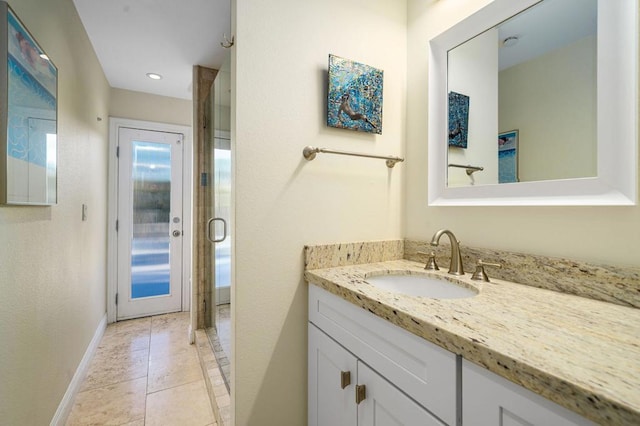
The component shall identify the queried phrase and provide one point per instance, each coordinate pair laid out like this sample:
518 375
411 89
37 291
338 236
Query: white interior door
149 223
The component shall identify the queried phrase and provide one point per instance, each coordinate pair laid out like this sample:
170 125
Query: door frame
115 123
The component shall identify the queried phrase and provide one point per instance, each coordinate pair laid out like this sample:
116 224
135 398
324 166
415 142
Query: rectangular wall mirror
533 102
28 118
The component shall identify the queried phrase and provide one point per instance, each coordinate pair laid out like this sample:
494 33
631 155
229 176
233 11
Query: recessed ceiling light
510 41
154 76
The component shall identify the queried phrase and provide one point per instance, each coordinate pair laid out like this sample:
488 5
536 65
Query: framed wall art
458 119
355 96
508 157
28 119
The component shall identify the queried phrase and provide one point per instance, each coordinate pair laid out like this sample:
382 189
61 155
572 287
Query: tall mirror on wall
28 116
532 102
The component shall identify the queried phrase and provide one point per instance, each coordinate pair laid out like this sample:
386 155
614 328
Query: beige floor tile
110 405
124 342
108 368
184 405
173 370
179 320
169 346
141 362
168 343
135 423
134 325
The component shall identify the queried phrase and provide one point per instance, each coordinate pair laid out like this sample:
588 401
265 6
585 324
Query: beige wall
52 264
598 234
284 202
147 107
551 100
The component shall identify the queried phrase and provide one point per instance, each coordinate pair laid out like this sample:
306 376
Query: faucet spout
455 267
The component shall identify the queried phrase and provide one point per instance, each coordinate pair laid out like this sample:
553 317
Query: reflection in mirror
531 88
29 128
546 177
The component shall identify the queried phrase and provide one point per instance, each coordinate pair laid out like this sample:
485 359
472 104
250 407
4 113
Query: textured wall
52 265
284 202
148 107
609 235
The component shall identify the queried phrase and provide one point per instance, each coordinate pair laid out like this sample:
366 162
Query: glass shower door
221 222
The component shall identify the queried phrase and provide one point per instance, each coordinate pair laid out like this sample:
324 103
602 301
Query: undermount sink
420 285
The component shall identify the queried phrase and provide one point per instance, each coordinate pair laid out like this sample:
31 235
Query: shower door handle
224 227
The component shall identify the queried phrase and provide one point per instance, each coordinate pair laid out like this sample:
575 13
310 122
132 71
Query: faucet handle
431 262
480 274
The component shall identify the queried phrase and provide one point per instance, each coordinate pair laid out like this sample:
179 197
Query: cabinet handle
361 393
345 379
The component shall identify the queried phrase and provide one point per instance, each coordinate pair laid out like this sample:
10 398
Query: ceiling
547 26
134 37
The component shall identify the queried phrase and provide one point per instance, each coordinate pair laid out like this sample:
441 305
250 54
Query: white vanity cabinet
345 391
403 379
490 400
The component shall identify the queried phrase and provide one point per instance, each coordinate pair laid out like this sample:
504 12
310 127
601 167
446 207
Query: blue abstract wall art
355 96
508 157
458 119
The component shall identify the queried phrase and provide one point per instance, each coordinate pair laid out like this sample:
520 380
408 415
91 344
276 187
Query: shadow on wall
284 359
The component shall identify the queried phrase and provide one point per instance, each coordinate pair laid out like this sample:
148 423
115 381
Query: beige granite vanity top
580 353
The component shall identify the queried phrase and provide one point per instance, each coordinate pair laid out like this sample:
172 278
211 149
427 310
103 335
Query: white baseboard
192 335
62 413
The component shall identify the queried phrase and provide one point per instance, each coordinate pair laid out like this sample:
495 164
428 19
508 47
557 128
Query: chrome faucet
455 267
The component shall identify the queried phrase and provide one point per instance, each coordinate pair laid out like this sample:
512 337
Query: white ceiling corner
134 37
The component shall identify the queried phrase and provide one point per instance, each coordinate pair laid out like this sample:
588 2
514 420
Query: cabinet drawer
424 371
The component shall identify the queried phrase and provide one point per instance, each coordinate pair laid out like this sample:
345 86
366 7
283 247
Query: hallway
144 372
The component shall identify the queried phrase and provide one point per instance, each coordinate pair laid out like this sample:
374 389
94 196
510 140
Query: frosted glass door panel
151 219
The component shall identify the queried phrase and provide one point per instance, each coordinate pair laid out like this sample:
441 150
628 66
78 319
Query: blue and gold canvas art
458 119
355 96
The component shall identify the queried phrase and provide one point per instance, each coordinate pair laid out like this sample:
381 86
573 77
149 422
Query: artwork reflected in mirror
508 157
458 119
535 72
28 163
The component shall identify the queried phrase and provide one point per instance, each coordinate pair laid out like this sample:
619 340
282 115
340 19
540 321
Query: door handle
224 227
345 379
361 393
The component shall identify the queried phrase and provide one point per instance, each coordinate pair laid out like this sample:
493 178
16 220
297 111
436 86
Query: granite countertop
580 353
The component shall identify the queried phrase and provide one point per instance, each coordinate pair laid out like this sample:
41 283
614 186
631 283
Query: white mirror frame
617 115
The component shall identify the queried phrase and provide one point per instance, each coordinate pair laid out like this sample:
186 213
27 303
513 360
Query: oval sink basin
420 285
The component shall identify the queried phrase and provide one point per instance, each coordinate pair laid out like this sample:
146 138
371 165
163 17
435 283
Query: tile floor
220 338
144 372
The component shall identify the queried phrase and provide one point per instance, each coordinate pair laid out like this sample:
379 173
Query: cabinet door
490 400
424 371
385 405
331 398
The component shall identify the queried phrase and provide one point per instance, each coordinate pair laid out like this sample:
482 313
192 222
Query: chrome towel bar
470 169
309 152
